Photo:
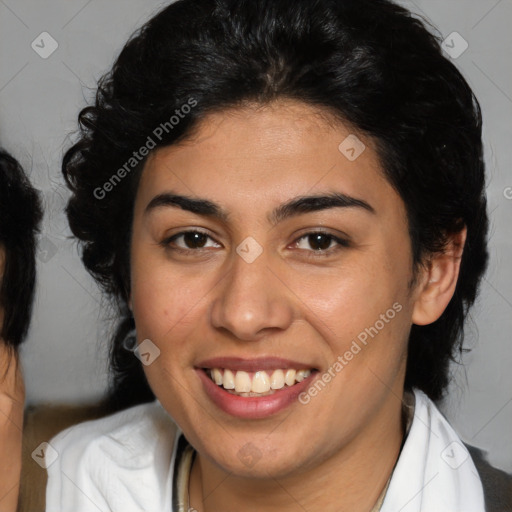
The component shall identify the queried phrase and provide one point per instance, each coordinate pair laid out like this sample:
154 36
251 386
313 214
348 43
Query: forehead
245 156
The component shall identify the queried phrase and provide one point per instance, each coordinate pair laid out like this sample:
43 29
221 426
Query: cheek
160 298
165 308
164 305
363 313
352 296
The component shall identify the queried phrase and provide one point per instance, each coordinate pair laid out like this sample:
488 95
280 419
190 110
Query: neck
352 479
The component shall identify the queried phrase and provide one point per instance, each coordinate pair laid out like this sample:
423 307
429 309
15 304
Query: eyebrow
296 206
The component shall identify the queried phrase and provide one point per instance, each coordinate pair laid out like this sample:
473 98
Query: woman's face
289 252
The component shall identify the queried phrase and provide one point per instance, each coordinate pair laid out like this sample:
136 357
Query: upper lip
253 365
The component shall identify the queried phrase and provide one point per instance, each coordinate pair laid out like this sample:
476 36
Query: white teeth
217 376
228 380
289 377
277 379
302 374
242 382
260 382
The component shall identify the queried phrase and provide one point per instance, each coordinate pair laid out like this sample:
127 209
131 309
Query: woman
286 200
20 215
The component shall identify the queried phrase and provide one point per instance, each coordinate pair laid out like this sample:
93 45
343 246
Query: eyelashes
320 243
193 237
319 238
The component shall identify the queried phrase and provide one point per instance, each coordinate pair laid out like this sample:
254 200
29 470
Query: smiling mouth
259 383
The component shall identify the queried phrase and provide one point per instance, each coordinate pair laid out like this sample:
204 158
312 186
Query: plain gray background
65 357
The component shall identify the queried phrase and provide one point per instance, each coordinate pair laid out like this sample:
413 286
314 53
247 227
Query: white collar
434 471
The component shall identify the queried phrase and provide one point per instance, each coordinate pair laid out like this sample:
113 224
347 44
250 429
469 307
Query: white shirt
121 463
124 463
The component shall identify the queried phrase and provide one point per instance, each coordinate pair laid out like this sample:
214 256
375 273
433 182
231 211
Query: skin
12 398
290 302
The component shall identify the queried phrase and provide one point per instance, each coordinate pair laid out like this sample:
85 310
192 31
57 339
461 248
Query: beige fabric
183 478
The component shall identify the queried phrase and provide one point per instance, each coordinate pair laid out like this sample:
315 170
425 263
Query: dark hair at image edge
368 62
20 216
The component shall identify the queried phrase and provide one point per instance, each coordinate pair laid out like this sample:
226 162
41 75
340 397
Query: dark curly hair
369 62
20 216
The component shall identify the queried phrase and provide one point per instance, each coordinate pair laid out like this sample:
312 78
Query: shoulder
110 461
497 484
137 428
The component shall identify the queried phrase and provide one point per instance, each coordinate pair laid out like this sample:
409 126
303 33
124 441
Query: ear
438 281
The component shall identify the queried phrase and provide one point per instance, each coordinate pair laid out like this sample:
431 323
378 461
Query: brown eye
190 240
194 240
321 243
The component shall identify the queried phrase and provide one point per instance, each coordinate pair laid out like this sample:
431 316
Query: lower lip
253 407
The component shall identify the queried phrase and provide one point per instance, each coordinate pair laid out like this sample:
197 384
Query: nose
251 301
